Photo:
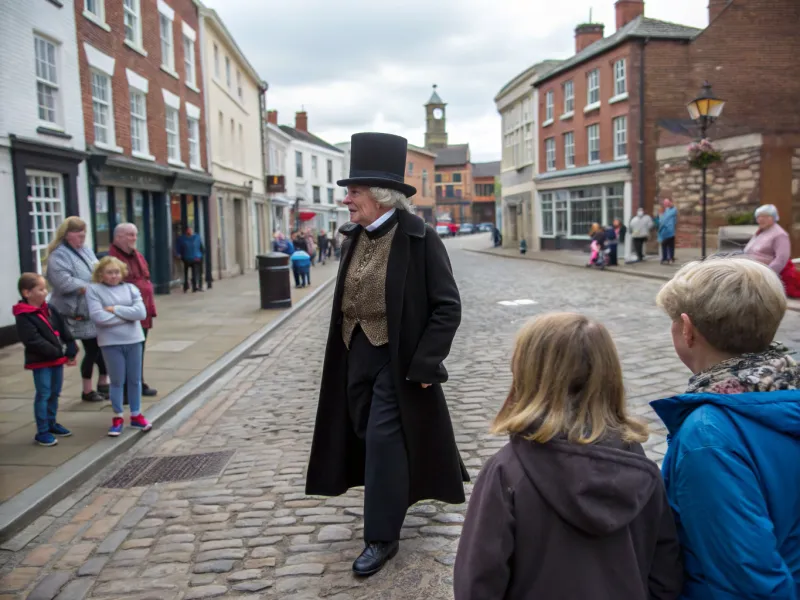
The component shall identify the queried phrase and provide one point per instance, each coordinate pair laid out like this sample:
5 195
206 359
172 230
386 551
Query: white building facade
516 102
43 177
234 95
278 150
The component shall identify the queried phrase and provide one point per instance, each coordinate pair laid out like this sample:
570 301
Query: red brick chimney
272 117
715 7
301 121
587 34
627 11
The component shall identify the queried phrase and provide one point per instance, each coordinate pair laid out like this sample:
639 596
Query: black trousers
375 415
638 245
194 267
91 357
668 249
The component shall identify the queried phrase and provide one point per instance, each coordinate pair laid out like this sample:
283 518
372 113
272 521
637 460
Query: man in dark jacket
322 245
124 249
382 420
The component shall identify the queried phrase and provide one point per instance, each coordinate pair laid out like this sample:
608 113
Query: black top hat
378 160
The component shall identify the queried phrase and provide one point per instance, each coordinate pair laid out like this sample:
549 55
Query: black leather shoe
374 557
148 391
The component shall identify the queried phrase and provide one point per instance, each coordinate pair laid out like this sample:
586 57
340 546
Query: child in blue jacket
301 267
732 468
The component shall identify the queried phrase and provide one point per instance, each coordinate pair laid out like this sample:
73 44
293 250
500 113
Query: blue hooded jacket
667 223
732 473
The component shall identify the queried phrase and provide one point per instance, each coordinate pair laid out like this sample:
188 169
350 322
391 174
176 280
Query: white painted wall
19 112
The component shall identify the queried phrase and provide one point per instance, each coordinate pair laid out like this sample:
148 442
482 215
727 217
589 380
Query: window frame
569 98
129 11
593 91
620 132
620 76
569 149
589 130
329 167
49 84
314 167
331 199
169 54
228 71
550 153
193 128
216 61
144 141
549 107
108 103
316 194
99 17
298 164
456 178
239 87
189 62
48 217
168 112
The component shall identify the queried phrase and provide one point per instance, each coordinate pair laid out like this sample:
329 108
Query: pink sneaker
116 426
139 422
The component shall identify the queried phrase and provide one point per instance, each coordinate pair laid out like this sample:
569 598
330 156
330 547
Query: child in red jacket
43 332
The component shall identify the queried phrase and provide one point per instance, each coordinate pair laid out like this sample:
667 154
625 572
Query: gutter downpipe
262 105
641 124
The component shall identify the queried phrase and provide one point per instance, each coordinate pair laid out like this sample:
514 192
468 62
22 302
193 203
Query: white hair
390 198
123 227
767 209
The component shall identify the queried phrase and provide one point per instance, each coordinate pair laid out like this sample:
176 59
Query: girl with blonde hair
69 264
572 492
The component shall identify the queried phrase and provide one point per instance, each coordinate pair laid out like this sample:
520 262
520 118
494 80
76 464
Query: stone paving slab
252 533
169 364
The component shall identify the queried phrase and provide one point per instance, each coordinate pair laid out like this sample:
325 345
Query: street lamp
704 110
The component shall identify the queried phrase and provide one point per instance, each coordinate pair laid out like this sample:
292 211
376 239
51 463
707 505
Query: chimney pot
587 34
627 11
272 117
301 121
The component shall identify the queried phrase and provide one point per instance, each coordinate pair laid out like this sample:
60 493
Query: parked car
466 229
486 227
443 230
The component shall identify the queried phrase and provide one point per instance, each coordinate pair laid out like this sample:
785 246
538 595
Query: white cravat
381 220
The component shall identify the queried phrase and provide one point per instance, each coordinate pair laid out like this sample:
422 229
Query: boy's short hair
735 303
28 281
105 262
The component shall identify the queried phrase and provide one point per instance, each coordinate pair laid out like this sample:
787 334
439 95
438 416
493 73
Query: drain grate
159 469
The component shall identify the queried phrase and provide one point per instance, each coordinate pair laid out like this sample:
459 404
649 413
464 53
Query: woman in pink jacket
772 246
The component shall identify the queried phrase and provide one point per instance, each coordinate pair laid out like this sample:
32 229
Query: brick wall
421 162
149 67
756 75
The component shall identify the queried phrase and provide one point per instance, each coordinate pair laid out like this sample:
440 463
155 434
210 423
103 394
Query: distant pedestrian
117 308
281 244
301 268
612 243
641 225
49 345
620 233
124 248
299 241
570 507
667 223
311 246
322 244
189 248
597 256
497 238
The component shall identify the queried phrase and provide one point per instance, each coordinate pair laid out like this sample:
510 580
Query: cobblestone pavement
251 532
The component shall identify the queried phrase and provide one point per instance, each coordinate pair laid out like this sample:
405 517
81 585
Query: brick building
484 176
420 167
595 111
759 131
42 167
141 84
453 182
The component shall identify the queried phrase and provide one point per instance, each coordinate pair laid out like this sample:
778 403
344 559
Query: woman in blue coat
732 470
667 222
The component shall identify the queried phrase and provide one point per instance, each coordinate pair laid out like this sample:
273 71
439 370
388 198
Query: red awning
307 215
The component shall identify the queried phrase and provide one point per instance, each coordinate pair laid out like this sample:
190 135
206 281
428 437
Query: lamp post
704 110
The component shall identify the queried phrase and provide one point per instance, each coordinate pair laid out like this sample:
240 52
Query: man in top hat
382 419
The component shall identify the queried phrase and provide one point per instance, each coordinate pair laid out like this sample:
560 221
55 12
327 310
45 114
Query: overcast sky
368 65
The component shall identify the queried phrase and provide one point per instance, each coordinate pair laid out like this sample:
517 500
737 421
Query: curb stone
21 510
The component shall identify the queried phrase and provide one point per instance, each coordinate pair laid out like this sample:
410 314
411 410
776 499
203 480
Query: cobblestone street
250 532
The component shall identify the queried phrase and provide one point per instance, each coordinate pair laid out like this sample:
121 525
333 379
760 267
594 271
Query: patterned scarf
760 372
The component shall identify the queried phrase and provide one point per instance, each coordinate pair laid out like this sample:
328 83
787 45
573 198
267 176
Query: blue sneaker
60 430
116 427
45 439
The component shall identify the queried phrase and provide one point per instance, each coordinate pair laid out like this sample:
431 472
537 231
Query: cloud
358 65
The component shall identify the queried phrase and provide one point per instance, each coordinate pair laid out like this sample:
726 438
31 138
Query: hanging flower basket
702 154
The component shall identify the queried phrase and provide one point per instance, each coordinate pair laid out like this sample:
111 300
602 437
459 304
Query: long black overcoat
423 310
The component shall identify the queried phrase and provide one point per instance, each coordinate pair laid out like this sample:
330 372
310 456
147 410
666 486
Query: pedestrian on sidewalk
69 266
301 268
597 257
124 249
281 244
49 345
667 222
731 468
382 420
322 243
570 507
641 225
311 247
189 248
117 308
299 241
772 246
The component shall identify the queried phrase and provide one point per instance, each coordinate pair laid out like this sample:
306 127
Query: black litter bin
273 280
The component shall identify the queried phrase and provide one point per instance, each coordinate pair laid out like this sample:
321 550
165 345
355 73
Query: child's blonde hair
567 381
105 262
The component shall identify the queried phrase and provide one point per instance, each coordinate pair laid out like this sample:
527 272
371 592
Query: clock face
438 113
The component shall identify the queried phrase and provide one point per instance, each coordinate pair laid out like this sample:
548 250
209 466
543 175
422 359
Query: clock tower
436 129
